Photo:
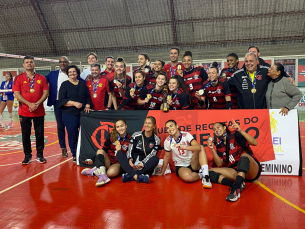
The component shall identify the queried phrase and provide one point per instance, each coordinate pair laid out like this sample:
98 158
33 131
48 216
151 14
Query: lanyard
152 91
144 145
178 139
31 84
221 140
95 85
135 86
175 94
254 80
231 70
209 84
173 71
120 81
119 138
190 69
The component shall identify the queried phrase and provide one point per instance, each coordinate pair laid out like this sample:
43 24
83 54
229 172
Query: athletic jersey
113 87
228 72
193 80
237 142
180 100
172 71
149 76
180 157
102 91
156 97
143 151
110 149
128 102
8 95
108 75
216 95
23 85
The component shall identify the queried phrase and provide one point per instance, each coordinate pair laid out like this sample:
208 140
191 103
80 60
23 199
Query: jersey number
191 86
181 151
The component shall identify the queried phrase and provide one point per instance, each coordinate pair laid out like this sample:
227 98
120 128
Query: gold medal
210 138
132 90
117 142
179 67
169 97
165 88
94 95
146 70
253 90
32 90
201 91
115 81
148 96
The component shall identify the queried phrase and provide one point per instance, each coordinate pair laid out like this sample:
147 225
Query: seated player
187 154
241 163
152 96
141 158
106 158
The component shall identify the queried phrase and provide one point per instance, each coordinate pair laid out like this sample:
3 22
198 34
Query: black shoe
41 160
64 152
27 160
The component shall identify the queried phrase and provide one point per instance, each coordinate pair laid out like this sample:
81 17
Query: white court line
34 176
20 162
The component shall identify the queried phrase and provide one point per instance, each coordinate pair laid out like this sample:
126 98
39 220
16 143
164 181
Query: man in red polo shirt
109 72
31 89
171 68
99 89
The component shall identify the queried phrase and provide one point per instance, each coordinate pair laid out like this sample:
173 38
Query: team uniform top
128 102
180 100
110 147
228 72
8 95
22 84
216 95
149 76
171 71
193 80
180 157
136 150
102 89
114 88
156 97
107 75
238 143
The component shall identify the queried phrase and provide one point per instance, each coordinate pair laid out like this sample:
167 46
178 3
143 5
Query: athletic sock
1 121
238 182
227 182
11 117
200 175
205 169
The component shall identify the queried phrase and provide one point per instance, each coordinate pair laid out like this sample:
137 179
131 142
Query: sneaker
5 128
41 160
243 186
234 194
89 172
102 179
27 160
143 178
64 152
10 125
74 159
126 178
206 182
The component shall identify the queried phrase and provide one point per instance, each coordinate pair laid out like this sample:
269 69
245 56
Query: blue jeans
61 132
72 123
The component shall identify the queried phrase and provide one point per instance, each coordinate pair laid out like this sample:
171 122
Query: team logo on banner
103 130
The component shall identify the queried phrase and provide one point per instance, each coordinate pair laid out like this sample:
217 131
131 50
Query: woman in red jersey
234 157
178 97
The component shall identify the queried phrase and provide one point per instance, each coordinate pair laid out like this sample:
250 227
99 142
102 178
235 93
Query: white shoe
206 182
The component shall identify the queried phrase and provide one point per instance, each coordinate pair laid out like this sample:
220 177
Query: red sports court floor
56 195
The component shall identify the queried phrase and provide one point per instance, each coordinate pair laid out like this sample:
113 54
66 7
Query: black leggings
149 166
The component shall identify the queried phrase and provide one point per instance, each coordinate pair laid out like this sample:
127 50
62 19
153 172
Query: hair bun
188 53
120 59
215 64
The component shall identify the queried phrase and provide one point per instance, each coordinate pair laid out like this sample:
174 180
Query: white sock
1 121
200 175
100 170
205 170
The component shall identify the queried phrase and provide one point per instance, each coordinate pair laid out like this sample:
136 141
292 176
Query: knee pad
243 165
214 177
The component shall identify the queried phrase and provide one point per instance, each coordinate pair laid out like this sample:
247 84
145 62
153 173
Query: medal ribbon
135 86
209 84
221 140
31 84
254 80
173 71
119 138
120 81
95 85
231 70
152 91
178 139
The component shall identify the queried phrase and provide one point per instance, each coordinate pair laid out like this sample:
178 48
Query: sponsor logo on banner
302 101
98 136
276 140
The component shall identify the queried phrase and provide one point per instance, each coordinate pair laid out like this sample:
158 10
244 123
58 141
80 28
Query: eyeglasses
63 62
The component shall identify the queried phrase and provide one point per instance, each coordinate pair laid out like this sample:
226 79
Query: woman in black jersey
152 96
133 92
141 158
241 163
158 67
106 158
145 66
178 97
